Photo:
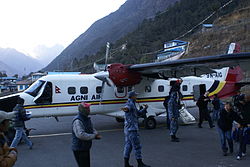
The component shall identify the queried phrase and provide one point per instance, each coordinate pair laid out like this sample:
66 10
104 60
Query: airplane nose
7 103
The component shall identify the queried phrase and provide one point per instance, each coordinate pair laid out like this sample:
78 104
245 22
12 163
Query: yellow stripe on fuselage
93 103
188 98
102 102
218 89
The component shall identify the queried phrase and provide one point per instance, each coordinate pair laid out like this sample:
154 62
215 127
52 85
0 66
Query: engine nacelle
121 76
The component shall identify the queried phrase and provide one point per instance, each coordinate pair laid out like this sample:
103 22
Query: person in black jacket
238 101
19 125
165 103
203 109
244 129
217 106
225 121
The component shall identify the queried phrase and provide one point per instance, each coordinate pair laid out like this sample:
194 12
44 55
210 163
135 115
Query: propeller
104 75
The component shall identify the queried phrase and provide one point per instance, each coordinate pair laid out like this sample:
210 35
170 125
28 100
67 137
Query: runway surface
198 147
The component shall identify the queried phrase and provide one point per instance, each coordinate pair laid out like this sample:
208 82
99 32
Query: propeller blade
103 84
102 75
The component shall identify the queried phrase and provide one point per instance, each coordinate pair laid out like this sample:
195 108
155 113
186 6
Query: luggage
186 117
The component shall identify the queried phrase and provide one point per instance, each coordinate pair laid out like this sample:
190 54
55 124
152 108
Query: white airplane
59 95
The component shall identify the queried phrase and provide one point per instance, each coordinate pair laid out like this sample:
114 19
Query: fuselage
67 91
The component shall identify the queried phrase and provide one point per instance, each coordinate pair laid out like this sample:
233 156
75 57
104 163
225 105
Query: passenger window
147 88
84 90
184 88
120 89
161 88
98 89
71 90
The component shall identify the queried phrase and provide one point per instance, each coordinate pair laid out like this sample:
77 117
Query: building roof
63 73
8 78
25 82
39 74
207 25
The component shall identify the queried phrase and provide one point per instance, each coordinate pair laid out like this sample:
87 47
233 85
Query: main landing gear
150 122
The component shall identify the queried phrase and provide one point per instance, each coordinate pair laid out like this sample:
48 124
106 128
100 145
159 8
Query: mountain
9 71
18 62
46 54
148 38
109 29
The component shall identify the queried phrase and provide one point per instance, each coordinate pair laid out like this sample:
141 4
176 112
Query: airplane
107 91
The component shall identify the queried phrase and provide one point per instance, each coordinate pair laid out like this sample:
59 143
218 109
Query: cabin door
198 90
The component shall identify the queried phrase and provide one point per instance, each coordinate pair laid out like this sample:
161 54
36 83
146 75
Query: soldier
173 109
132 140
8 155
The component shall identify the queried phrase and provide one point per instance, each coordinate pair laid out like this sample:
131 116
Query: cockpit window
35 88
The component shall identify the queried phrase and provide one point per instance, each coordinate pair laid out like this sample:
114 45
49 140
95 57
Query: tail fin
233 48
234 74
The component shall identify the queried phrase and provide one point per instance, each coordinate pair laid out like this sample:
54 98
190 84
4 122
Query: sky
26 24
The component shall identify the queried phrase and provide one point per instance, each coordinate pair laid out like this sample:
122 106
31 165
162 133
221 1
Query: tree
16 75
3 74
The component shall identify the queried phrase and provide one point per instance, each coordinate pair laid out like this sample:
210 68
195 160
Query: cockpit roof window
35 88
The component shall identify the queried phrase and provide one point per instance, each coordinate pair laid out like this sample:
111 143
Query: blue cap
132 93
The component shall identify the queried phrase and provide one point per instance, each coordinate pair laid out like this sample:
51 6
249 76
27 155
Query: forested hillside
152 33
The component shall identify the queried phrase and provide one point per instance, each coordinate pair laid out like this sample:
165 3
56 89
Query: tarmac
197 147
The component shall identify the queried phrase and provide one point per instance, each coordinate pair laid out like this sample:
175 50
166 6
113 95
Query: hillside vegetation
175 21
234 27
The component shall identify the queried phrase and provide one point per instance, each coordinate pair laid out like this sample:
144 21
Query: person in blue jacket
132 140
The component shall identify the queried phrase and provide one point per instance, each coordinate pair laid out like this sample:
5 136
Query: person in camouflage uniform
173 109
132 140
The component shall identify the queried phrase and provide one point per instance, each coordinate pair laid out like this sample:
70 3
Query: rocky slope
234 27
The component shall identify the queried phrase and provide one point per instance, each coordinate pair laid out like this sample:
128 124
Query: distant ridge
15 62
5 68
110 28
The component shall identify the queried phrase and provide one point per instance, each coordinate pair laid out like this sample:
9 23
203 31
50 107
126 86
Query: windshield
35 88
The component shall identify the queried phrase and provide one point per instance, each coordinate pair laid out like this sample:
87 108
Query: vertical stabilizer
233 48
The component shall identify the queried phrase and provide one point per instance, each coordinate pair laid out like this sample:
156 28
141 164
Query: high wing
192 66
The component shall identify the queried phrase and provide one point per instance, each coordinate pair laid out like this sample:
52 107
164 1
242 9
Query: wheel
150 123
119 119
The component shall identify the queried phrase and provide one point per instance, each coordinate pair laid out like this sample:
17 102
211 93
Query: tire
150 123
120 120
